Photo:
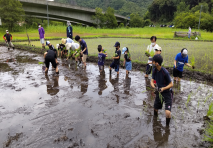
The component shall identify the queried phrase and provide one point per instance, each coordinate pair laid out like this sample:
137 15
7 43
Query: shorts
42 41
177 73
84 58
128 66
167 98
47 62
148 69
101 67
115 66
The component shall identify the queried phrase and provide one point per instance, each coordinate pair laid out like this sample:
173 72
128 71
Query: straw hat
63 41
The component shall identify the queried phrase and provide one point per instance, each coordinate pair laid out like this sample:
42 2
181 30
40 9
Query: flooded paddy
81 108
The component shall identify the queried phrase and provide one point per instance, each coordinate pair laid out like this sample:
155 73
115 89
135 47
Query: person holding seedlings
51 47
50 56
8 39
162 87
69 30
41 35
84 49
181 59
150 52
115 64
61 48
101 58
127 60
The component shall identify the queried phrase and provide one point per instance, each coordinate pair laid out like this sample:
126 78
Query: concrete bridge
62 12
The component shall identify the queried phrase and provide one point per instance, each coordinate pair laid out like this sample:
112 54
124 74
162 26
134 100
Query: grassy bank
147 32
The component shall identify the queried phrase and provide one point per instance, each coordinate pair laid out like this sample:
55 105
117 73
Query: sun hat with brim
124 50
63 41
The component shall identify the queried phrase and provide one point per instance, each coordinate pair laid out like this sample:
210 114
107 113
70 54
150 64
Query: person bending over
50 57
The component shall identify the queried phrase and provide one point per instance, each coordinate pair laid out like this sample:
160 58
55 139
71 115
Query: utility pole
200 17
47 11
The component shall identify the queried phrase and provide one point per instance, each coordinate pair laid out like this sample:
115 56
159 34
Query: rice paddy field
201 52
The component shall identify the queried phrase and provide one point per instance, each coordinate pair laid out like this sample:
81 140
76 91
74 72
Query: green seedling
40 63
210 111
152 53
209 96
193 62
208 136
161 97
188 99
144 91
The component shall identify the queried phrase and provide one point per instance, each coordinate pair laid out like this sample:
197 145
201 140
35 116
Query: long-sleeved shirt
41 32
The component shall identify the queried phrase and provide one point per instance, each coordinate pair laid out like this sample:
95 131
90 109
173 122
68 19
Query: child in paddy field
115 64
181 59
8 39
162 87
101 58
127 60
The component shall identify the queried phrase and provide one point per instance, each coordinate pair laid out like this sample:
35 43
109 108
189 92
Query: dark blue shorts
115 66
148 69
167 98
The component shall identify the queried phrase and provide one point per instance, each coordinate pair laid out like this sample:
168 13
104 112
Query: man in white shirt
151 48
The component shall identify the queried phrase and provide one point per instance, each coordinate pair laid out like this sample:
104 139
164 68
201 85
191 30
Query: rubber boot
110 71
13 48
167 121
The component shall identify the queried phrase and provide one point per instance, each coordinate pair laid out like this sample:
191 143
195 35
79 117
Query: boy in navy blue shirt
162 87
101 58
84 49
181 59
115 64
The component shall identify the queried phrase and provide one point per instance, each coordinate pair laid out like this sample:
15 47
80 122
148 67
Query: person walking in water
41 35
162 87
8 39
69 30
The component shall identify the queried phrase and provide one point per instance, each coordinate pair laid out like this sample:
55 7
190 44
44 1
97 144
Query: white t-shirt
190 30
150 49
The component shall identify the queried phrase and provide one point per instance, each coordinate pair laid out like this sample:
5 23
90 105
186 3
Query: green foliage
210 111
11 12
136 20
107 20
122 7
192 61
111 21
121 25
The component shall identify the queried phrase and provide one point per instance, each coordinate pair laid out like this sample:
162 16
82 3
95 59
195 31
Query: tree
99 17
111 21
136 20
11 12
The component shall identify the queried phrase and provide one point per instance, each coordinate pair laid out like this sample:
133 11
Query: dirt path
81 108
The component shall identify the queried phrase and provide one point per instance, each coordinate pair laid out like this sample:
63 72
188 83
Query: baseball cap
124 50
158 48
158 59
117 44
184 53
48 42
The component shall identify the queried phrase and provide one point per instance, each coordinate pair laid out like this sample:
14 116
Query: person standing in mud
8 39
84 49
69 30
41 35
162 87
51 57
181 59
127 60
115 64
101 58
150 49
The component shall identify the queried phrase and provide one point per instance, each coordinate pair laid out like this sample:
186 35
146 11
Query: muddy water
81 108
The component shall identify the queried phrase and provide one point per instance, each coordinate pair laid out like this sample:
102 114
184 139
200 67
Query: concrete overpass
62 12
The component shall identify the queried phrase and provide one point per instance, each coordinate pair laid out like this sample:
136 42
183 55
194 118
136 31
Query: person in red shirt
8 39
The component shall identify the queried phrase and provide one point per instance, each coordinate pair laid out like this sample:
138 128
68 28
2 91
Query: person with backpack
162 87
8 39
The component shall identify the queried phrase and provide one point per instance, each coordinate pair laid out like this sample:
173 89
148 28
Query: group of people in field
161 80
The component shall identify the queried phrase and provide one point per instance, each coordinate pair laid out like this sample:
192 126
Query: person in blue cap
51 47
127 60
115 64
